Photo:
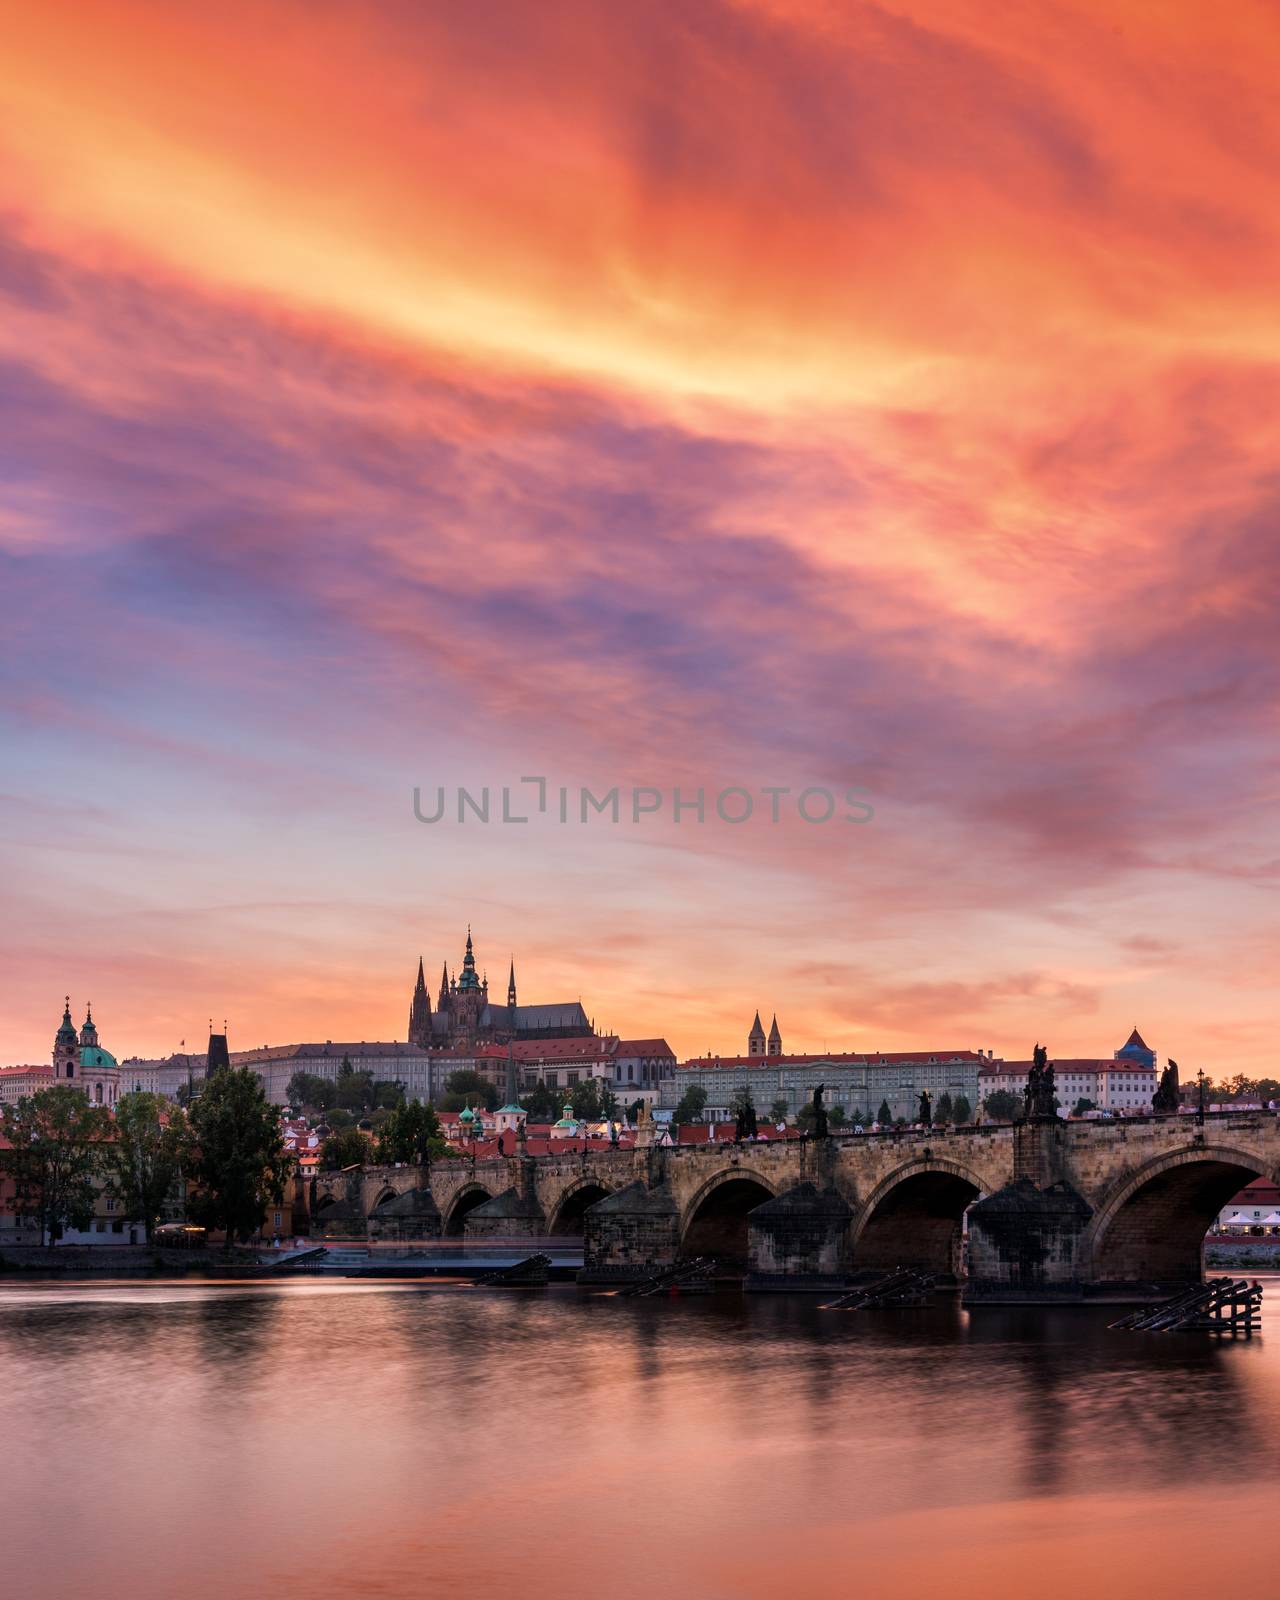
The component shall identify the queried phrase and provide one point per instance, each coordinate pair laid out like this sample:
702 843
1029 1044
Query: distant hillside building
857 1083
1124 1082
464 1015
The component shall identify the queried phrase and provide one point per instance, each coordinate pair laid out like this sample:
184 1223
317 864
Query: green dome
92 1056
466 1115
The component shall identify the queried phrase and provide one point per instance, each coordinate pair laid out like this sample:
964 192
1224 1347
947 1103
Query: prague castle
464 1015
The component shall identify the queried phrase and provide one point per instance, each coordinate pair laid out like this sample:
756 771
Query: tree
778 1110
1083 1105
346 1147
353 1090
693 1102
143 1160
238 1164
884 1116
961 1110
466 1085
584 1101
1002 1105
541 1104
836 1117
311 1090
411 1134
388 1094
944 1111
54 1141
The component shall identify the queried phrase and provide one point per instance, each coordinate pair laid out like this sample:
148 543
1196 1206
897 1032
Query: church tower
420 1011
89 1033
66 1048
469 1000
755 1039
775 1038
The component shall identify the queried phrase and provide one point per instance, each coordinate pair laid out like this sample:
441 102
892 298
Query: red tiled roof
527 1050
643 1047
40 1070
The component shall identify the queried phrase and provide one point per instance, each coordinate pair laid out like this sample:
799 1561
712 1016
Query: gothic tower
755 1039
89 1033
420 1011
775 1038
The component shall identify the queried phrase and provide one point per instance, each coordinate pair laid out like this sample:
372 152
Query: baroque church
464 1015
83 1062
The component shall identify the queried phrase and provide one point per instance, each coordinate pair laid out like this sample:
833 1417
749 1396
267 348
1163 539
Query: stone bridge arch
714 1222
461 1204
567 1213
914 1216
1149 1226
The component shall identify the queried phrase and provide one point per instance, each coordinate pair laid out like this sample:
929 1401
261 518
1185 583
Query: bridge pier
630 1234
799 1241
1026 1244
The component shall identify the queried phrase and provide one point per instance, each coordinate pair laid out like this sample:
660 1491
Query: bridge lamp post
1200 1082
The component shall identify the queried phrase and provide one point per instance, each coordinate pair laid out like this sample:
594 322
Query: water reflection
211 1437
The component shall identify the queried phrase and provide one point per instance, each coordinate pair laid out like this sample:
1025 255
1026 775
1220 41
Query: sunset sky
685 393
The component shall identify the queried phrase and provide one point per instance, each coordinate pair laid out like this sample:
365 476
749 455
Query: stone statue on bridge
1039 1098
819 1112
926 1109
1167 1096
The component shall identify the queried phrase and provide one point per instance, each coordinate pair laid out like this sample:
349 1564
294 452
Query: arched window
97 1093
71 1069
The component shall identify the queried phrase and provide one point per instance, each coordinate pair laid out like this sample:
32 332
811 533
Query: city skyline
703 423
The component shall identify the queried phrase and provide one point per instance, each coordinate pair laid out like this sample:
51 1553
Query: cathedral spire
469 979
511 984
420 1011
444 983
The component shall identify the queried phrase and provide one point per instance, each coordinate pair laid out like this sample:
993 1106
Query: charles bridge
1054 1209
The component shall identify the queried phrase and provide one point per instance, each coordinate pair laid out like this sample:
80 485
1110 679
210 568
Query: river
177 1441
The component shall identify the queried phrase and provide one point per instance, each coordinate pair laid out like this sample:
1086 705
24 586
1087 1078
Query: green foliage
353 1091
309 1090
238 1164
693 1102
884 1116
1002 1105
388 1095
1082 1105
54 1142
541 1103
466 1085
778 1111
592 1100
411 1134
145 1158
347 1147
944 1111
1242 1087
836 1117
961 1110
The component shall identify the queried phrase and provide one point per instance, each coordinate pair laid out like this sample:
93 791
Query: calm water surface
175 1440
